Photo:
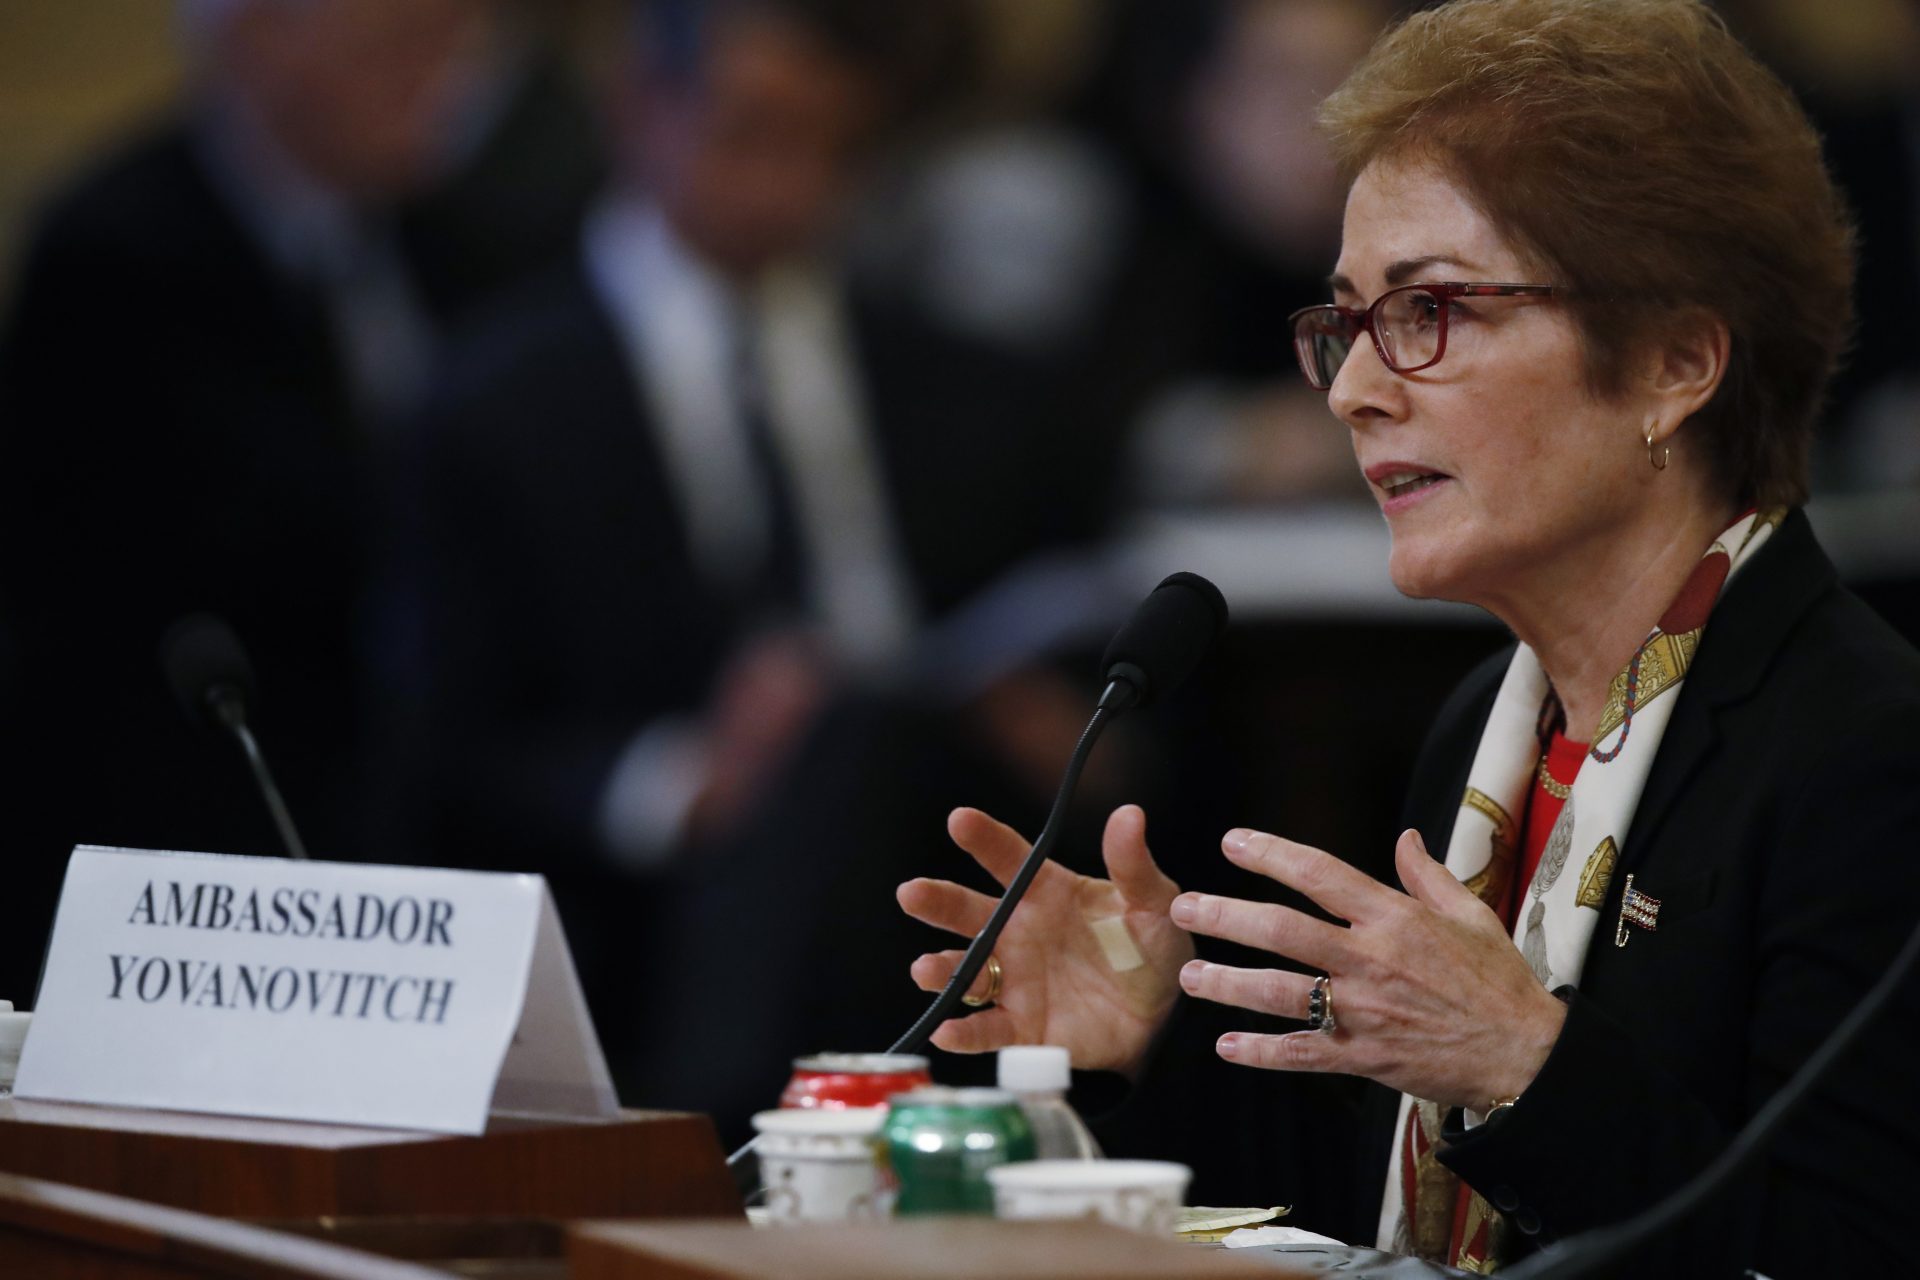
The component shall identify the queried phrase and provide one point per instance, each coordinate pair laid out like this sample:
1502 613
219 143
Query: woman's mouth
1401 483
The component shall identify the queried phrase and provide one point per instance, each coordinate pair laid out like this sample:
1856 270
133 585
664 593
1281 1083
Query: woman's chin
1423 571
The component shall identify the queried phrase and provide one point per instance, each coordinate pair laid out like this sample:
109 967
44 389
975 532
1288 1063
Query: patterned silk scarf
1557 915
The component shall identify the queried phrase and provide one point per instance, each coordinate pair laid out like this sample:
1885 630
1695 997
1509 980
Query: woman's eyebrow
1409 268
1402 271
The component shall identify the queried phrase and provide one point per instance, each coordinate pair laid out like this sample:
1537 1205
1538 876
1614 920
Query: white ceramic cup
822 1165
1144 1195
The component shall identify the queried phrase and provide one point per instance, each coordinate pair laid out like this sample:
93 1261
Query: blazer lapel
1748 626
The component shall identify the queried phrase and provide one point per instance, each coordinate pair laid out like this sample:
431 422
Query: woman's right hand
1093 965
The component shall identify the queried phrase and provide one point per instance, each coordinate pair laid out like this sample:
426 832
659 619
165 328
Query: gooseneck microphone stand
1118 696
227 706
211 676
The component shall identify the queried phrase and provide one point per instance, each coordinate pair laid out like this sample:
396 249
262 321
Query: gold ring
992 992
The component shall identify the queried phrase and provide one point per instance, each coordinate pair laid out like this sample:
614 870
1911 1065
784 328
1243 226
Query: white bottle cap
1034 1068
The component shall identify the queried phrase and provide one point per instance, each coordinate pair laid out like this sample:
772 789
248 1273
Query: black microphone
1159 647
213 680
1163 641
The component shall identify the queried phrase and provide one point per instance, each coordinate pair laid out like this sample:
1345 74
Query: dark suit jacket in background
563 607
1777 830
177 434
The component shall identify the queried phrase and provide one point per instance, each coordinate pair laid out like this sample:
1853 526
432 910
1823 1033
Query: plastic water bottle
1037 1075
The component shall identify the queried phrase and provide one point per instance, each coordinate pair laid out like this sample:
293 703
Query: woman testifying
1593 280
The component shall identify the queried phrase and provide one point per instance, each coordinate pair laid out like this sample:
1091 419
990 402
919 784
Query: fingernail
1227 1045
1236 840
1417 840
1183 910
1190 972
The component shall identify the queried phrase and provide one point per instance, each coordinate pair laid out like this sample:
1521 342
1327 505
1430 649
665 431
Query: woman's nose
1364 387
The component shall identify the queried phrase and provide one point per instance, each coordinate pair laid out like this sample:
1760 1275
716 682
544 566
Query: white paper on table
1253 1237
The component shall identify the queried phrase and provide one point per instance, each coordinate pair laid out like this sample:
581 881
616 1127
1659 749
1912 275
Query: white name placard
338 992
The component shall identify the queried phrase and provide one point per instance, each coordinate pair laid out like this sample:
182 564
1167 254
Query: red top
1543 810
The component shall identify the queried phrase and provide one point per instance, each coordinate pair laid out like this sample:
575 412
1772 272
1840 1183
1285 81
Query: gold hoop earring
1660 461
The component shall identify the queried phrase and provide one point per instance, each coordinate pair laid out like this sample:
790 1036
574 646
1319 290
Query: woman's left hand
1429 994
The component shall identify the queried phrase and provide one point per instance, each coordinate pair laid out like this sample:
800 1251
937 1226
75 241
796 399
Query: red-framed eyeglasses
1408 326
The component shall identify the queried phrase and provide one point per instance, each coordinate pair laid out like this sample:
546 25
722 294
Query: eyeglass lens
1408 322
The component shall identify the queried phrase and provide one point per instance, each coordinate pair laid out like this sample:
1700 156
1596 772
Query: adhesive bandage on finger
1122 952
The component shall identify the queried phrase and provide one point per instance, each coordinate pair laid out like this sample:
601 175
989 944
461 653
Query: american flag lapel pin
1636 909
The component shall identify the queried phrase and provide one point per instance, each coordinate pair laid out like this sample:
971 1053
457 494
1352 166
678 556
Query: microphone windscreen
201 653
1167 635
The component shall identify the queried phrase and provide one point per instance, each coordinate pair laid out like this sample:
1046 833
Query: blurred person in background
689 491
215 331
1141 215
1249 217
1014 236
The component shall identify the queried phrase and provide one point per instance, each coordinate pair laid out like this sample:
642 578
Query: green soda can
941 1142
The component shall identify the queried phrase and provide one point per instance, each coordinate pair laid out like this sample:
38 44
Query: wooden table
909 1249
640 1164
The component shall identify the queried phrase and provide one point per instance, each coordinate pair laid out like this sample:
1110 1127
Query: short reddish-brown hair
1637 152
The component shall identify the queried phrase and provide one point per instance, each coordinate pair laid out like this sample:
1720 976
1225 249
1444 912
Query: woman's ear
1684 367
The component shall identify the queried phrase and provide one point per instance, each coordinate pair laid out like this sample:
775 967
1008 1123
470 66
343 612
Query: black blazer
1776 830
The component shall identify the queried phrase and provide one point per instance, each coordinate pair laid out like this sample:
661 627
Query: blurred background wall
71 78
75 77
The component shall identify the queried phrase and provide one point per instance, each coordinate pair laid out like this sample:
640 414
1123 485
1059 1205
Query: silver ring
1320 1006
